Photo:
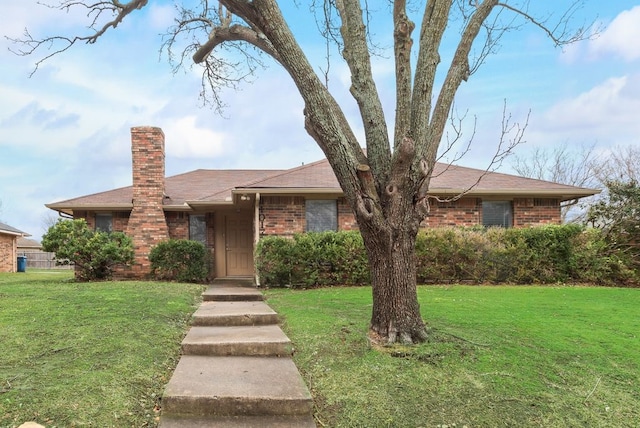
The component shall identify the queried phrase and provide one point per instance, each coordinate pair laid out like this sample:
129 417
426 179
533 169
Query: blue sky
65 131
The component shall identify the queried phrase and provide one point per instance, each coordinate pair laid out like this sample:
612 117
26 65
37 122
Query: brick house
229 210
9 247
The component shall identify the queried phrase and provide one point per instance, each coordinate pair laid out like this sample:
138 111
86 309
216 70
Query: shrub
542 254
617 214
537 255
273 260
596 262
95 254
179 260
312 259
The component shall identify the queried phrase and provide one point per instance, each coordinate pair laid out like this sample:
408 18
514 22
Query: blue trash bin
22 263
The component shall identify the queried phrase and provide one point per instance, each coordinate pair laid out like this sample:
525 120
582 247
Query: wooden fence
42 260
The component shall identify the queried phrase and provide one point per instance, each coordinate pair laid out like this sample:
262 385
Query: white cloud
605 104
184 139
620 37
605 115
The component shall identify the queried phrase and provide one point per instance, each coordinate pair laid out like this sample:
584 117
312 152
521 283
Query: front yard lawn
88 354
499 356
100 354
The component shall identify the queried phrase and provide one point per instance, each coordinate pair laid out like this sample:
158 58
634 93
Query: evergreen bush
94 253
179 260
313 259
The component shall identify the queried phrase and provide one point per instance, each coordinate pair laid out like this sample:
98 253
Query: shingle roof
5 228
316 175
199 185
28 243
211 187
453 179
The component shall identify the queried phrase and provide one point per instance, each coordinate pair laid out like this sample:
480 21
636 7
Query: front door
239 244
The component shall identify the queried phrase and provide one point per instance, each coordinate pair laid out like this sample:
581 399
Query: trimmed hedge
179 260
539 255
313 259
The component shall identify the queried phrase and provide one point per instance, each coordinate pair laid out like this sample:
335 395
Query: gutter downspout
256 234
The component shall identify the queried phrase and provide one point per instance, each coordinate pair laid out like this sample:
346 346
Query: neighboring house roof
8 230
217 187
29 243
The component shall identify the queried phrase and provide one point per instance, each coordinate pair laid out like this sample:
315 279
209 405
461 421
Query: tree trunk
396 311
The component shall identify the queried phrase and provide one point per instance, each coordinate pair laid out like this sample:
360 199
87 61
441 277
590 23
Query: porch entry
238 244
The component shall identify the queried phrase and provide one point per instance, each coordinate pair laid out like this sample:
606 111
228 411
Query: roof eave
209 203
564 194
14 233
93 206
288 190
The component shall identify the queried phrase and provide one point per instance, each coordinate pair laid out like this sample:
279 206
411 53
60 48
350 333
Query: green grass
100 354
87 354
498 357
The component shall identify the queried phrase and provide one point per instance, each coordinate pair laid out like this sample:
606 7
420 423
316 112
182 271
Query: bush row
541 255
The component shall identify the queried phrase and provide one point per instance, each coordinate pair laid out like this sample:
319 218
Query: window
321 215
104 222
198 228
497 213
537 202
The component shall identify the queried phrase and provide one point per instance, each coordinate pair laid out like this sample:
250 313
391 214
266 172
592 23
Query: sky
65 130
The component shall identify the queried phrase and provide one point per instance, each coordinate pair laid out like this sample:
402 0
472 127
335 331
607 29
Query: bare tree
576 167
621 164
48 221
583 167
386 185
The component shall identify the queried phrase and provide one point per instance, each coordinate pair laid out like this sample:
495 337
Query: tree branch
559 34
458 71
402 44
434 23
363 88
235 32
505 147
116 8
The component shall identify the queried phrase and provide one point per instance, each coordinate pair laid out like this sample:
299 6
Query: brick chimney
147 224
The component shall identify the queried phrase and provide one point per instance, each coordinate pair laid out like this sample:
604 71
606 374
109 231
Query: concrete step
236 386
236 280
231 293
259 340
234 314
296 421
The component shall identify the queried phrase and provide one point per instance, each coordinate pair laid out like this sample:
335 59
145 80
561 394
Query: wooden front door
239 244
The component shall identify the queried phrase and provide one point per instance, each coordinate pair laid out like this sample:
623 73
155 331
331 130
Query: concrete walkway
236 368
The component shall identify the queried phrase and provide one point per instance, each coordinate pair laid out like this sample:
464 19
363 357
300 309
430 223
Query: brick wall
8 256
536 212
463 212
120 219
147 225
178 224
346 218
283 215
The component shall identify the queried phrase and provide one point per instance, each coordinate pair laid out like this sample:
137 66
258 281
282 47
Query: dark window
497 213
104 222
198 228
546 202
321 215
